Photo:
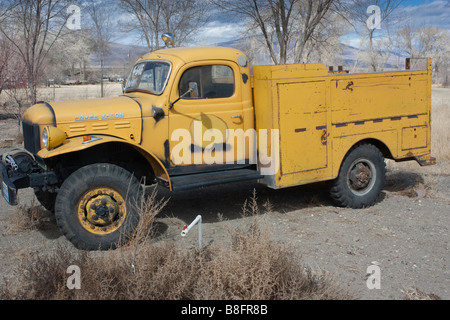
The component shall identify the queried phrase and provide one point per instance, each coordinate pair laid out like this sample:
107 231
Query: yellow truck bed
321 116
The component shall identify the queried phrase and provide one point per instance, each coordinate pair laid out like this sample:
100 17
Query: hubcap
361 176
101 211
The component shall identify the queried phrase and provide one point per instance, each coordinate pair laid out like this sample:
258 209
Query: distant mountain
349 55
120 55
123 56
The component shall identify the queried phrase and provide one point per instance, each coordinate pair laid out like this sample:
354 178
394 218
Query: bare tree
5 58
70 55
325 44
404 41
101 15
313 15
145 19
183 18
288 27
39 23
151 18
376 52
13 82
274 19
427 42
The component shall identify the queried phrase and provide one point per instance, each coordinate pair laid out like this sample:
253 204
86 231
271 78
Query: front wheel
96 207
361 178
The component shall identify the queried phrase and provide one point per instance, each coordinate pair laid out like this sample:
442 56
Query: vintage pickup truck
193 117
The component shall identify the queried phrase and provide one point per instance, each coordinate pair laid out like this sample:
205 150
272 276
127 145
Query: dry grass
440 144
252 267
14 140
27 218
440 134
416 294
65 92
409 178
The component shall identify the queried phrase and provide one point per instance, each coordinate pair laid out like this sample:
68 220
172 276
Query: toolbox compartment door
303 126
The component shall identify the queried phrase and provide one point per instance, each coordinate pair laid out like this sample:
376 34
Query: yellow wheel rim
101 211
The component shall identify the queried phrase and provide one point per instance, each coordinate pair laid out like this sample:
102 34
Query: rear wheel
96 207
361 178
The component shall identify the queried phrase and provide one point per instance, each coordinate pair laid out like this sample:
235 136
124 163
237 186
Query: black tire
361 178
96 207
46 199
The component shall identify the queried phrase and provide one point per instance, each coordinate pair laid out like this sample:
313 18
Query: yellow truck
194 117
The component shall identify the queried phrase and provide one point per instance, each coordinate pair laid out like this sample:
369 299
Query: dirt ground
406 234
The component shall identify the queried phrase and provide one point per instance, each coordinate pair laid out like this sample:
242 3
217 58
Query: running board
192 181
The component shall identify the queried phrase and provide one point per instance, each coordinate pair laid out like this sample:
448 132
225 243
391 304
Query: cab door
206 112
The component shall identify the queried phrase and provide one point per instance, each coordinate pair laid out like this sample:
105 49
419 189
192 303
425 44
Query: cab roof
190 54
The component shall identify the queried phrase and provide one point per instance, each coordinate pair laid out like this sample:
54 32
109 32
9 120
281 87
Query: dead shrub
440 134
252 267
43 277
416 294
27 218
440 148
255 268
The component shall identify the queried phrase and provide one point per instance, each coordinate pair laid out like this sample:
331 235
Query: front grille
31 137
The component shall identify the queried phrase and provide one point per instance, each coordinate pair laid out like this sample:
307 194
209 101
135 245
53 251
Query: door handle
236 117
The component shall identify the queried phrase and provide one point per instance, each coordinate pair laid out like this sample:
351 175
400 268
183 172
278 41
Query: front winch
19 170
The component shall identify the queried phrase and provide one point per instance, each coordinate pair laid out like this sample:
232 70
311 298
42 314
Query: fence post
186 229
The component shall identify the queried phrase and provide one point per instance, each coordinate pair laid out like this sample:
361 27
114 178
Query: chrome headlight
45 138
53 137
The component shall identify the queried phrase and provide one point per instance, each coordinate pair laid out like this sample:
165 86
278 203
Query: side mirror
194 87
171 104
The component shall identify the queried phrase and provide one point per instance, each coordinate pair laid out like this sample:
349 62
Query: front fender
77 144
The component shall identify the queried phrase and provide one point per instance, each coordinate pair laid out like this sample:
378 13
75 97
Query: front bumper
12 180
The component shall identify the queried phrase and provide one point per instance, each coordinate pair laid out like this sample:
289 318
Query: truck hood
120 116
96 110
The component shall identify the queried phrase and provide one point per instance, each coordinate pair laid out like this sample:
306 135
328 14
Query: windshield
149 76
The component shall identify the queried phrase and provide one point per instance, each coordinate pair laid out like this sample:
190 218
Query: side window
207 82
